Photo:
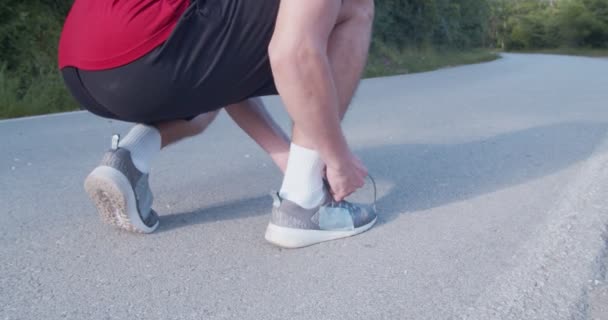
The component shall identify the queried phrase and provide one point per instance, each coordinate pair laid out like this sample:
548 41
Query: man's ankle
303 181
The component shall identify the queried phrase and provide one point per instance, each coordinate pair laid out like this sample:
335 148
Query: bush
457 24
29 79
539 24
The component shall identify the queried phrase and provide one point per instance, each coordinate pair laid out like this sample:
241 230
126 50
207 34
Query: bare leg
174 131
252 117
348 47
300 58
300 64
347 50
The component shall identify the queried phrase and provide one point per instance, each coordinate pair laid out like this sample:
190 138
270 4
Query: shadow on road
428 176
424 176
223 211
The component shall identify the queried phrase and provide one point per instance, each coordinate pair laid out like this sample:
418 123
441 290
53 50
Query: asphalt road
492 182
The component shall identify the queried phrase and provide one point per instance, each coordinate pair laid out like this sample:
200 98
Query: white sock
303 181
144 144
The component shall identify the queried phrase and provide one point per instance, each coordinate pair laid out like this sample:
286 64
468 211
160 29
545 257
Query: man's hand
347 178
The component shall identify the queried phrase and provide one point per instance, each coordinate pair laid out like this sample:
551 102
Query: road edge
559 265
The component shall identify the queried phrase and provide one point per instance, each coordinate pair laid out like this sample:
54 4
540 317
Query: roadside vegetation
586 52
388 61
409 36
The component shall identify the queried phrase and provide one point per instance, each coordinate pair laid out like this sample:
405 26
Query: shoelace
344 204
375 192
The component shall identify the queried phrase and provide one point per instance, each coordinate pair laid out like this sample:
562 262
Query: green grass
45 94
387 61
587 52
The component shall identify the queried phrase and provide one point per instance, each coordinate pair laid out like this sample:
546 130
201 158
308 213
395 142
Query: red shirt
104 34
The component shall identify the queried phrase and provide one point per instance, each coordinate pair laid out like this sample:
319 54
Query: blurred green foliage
505 24
29 80
453 24
542 24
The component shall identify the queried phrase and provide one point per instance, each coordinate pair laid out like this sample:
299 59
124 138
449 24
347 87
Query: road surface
493 182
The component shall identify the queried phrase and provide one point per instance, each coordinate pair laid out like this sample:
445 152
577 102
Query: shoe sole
291 238
111 192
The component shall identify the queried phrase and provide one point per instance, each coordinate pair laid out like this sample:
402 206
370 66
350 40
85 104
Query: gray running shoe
121 193
292 226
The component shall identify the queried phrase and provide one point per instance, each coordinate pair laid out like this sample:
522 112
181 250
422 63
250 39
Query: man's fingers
346 183
339 198
334 195
340 194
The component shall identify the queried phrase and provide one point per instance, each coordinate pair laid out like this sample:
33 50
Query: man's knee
361 10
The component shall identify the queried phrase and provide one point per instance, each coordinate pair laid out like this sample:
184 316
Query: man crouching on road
170 65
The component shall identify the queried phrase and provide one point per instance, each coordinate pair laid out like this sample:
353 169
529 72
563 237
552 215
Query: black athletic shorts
216 55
